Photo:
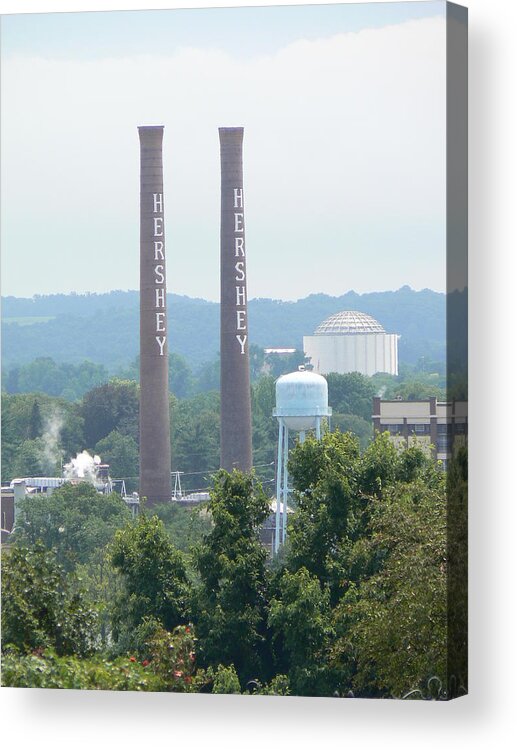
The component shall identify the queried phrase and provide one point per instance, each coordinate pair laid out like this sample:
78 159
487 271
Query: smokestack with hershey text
155 441
236 448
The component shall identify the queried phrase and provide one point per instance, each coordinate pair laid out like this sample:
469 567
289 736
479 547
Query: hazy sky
344 147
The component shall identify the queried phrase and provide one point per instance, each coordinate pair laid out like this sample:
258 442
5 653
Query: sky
343 109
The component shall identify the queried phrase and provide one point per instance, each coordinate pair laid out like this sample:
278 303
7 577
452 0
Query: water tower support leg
279 469
285 480
318 428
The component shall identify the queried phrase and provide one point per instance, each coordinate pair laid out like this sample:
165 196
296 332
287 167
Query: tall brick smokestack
155 440
235 365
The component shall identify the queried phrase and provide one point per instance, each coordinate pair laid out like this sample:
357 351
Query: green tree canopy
230 601
351 394
394 621
154 576
121 453
28 459
41 605
75 520
300 617
112 406
52 428
325 479
44 375
265 427
358 426
195 438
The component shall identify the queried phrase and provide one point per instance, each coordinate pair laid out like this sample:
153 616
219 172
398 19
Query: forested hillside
103 328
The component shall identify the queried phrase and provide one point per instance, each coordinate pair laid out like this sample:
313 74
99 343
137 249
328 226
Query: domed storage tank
352 341
301 398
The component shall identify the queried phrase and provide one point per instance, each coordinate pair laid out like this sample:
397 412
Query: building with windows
437 426
352 341
6 513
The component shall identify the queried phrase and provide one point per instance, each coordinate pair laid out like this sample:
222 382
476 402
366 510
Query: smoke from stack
155 442
83 466
236 449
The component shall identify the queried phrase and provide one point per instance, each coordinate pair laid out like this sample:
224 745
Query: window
443 443
419 429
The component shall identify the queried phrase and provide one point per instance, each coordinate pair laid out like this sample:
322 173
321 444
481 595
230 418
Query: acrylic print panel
234 437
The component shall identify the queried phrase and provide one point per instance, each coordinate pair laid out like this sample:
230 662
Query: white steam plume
50 453
83 466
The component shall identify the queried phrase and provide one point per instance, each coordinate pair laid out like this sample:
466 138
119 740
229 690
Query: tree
45 669
185 526
351 393
102 585
75 521
265 427
358 426
209 377
281 364
181 381
42 375
195 438
225 680
371 528
8 443
379 465
329 504
41 606
416 389
61 434
170 666
263 396
257 357
230 601
393 623
85 376
300 616
27 461
334 487
121 453
35 423
154 577
196 448
112 406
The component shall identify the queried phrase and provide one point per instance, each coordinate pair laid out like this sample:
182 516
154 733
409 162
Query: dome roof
349 322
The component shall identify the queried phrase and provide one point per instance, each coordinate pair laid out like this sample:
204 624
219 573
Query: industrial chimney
155 440
236 449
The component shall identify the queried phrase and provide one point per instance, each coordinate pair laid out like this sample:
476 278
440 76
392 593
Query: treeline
41 432
104 328
356 605
44 375
71 382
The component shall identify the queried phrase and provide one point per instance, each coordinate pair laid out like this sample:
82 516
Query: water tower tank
301 398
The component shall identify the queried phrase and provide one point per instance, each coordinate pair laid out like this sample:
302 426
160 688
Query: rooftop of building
349 322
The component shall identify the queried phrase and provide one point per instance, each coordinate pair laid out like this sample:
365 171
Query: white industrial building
351 341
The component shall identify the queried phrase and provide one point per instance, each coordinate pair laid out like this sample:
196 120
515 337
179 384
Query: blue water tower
301 404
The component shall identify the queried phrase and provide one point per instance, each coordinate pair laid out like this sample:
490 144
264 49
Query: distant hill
104 327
